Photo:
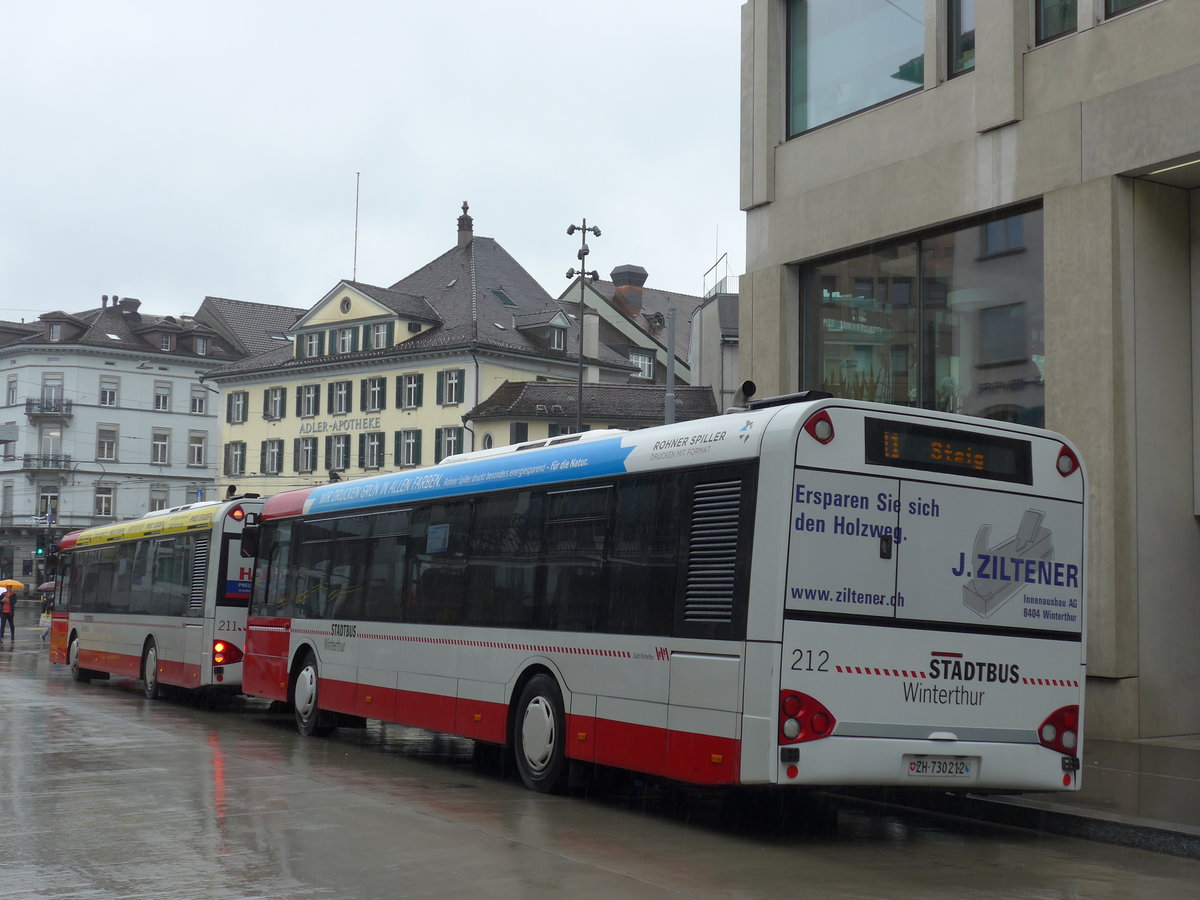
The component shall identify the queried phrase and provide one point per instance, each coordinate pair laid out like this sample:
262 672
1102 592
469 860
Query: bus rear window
930 448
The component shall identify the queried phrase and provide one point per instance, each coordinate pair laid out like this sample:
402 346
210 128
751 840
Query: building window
370 450
166 342
108 391
1054 18
308 400
1114 7
106 443
235 458
160 447
158 497
379 335
201 346
374 394
305 454
339 397
162 396
274 403
844 57
312 345
447 442
271 457
1003 236
558 338
197 448
408 447
935 323
345 340
104 501
961 20
450 386
55 332
645 363
235 407
488 443
48 507
337 451
11 396
52 392
409 390
199 404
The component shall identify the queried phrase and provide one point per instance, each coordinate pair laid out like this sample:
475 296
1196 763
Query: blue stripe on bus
569 462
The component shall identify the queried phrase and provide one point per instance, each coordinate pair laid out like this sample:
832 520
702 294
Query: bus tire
311 720
150 684
539 732
81 675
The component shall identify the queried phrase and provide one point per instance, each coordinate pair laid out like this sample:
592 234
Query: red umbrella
46 587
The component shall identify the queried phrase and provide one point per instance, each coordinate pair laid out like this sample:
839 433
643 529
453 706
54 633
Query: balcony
36 407
53 462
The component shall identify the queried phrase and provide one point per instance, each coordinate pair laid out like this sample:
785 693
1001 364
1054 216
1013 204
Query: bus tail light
801 718
820 427
1068 462
237 514
225 653
1060 731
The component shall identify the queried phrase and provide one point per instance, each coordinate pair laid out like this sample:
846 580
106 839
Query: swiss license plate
941 766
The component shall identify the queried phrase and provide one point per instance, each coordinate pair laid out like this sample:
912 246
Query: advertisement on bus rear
942 554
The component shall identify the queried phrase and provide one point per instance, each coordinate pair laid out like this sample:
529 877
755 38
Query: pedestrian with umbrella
8 604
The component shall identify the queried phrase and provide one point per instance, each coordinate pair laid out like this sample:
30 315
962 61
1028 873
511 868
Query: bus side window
643 556
503 568
574 545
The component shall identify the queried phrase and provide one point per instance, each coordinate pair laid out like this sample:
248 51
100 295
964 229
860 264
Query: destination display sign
929 448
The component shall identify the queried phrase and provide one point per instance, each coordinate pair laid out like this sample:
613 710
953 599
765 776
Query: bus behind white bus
162 598
812 591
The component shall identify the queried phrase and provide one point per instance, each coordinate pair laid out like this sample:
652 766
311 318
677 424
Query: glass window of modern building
846 55
961 21
1053 18
950 320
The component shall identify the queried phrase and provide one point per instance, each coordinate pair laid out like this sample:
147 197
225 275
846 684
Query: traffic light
41 546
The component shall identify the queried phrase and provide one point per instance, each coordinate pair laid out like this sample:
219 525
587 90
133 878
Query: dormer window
201 346
166 342
558 338
55 331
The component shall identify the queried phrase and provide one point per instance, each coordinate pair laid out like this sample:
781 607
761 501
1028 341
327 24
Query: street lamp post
583 276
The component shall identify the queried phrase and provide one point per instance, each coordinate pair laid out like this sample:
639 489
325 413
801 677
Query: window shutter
383 393
458 440
437 444
461 386
441 388
398 447
282 402
354 345
390 334
420 388
262 457
229 409
366 337
362 450
416 460
321 344
227 454
399 392
329 390
295 454
299 401
329 452
362 392
266 403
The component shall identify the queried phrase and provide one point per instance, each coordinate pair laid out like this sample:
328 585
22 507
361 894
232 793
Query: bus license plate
941 766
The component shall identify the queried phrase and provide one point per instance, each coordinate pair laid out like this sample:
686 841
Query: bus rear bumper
945 765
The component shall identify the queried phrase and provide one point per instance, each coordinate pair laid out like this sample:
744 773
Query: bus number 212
810 660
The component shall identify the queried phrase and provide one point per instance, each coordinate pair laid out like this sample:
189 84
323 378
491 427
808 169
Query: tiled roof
248 325
655 304
612 402
411 306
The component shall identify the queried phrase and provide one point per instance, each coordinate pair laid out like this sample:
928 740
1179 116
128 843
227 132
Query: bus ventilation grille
712 552
199 575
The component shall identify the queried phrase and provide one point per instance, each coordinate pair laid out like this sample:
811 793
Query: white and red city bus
812 591
162 598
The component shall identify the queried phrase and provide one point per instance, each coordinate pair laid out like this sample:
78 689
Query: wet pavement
104 794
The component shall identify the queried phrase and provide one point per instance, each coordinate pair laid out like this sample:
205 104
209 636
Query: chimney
464 228
129 309
629 281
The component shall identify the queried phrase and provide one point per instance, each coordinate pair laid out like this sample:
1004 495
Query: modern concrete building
992 208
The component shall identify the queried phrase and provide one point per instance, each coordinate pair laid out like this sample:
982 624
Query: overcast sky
169 151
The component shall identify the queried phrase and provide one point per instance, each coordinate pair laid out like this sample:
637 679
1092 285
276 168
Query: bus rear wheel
150 685
310 719
538 735
77 673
